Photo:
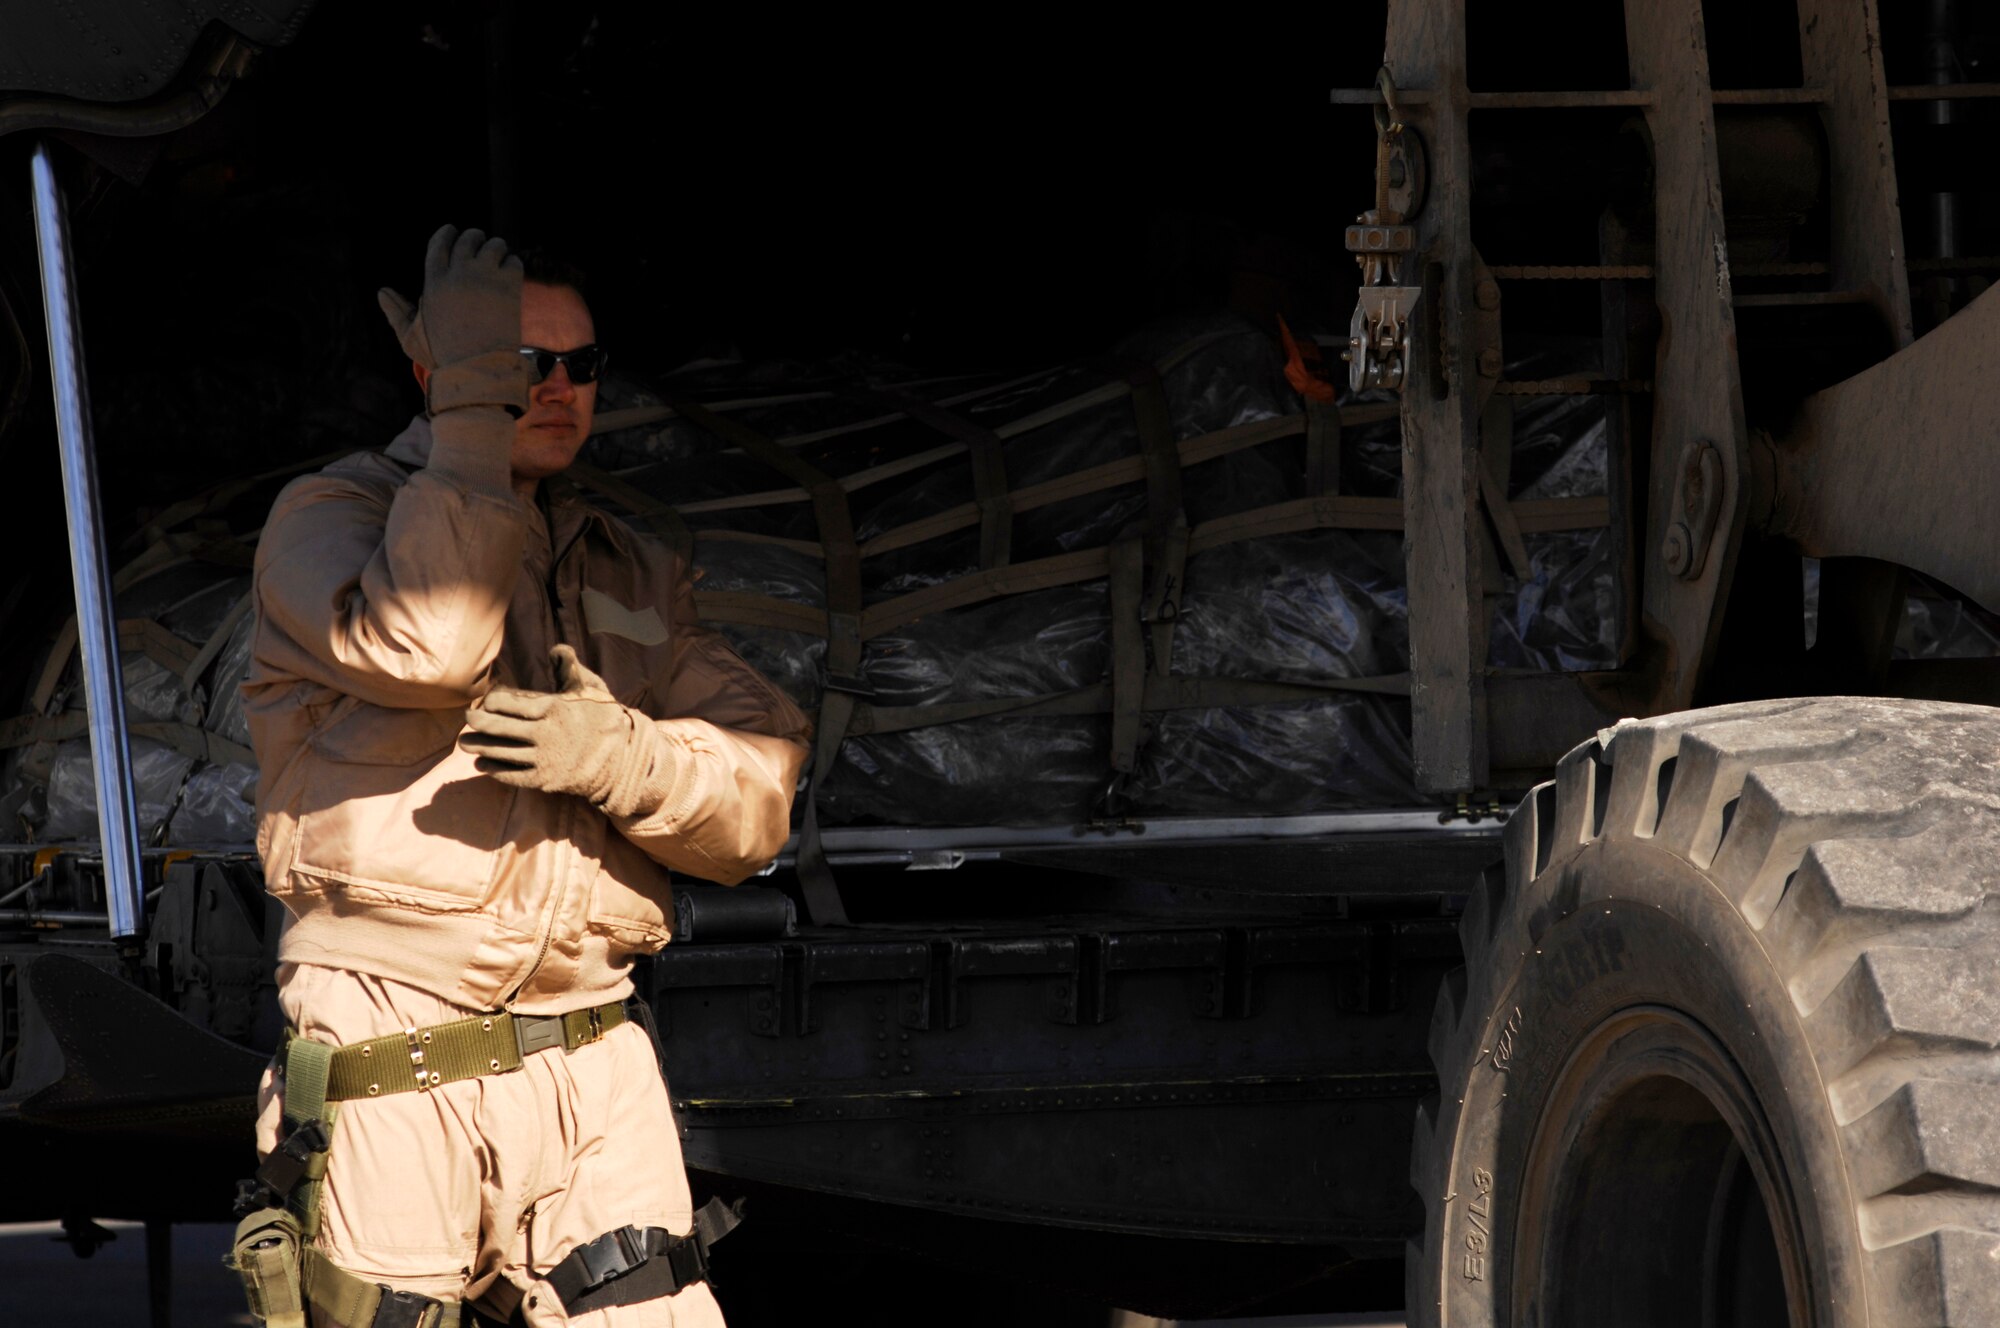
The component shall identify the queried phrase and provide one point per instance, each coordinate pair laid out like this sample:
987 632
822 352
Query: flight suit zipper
566 824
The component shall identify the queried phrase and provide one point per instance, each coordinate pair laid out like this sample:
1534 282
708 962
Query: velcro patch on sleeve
601 613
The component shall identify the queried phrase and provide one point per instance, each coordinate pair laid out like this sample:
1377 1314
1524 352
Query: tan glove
467 331
577 740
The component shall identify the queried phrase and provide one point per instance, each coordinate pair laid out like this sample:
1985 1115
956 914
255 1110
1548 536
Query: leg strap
292 1173
282 1270
632 1264
359 1303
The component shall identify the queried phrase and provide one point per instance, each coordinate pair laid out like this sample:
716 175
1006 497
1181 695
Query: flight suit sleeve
739 745
400 603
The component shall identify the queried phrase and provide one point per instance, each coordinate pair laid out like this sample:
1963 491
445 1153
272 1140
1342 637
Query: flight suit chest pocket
626 667
393 811
377 735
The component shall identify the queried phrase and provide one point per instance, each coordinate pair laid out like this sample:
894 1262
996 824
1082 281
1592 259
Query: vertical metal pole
96 622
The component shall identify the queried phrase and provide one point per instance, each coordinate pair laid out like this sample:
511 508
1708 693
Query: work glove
467 330
577 739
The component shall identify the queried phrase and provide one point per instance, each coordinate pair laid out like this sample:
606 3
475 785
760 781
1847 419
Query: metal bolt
1489 362
1487 294
1677 549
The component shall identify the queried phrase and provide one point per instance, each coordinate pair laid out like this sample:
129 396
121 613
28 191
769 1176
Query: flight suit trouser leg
476 1189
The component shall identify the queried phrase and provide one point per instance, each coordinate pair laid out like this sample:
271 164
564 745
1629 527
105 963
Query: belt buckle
593 1029
535 1034
427 1078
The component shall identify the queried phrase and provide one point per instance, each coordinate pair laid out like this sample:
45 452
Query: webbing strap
989 470
634 1264
308 1064
1017 578
217 639
420 1059
610 421
1506 527
1163 593
1164 568
822 895
870 719
1096 396
829 500
843 636
1128 655
1298 515
810 548
1092 479
306 1067
356 1302
52 669
1156 445
750 609
1322 448
1173 693
1328 512
187 739
156 643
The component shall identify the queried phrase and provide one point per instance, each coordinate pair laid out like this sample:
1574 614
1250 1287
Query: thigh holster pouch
267 1256
282 1274
279 1210
632 1264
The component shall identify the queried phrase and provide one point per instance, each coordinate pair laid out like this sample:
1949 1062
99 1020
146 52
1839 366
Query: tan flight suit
391 591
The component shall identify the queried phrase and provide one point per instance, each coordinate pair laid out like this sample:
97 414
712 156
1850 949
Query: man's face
548 437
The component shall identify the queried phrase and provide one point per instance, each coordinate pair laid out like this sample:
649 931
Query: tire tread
1858 839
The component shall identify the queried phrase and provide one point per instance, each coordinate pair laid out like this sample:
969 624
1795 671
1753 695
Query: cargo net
1163 584
184 625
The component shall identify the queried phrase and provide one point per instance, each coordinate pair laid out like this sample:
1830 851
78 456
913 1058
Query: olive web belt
420 1059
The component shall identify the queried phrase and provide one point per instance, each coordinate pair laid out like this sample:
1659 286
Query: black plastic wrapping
1310 608
997 770
180 800
1303 608
1564 616
1936 624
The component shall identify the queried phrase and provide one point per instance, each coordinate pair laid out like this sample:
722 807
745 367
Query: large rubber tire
1725 1045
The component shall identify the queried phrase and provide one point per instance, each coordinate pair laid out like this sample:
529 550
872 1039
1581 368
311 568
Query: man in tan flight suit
488 725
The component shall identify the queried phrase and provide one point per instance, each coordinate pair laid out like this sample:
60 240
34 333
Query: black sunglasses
584 363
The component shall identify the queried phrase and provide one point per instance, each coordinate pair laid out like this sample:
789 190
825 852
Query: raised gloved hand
467 331
576 740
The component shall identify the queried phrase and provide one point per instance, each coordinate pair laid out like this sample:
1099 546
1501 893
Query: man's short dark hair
546 267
